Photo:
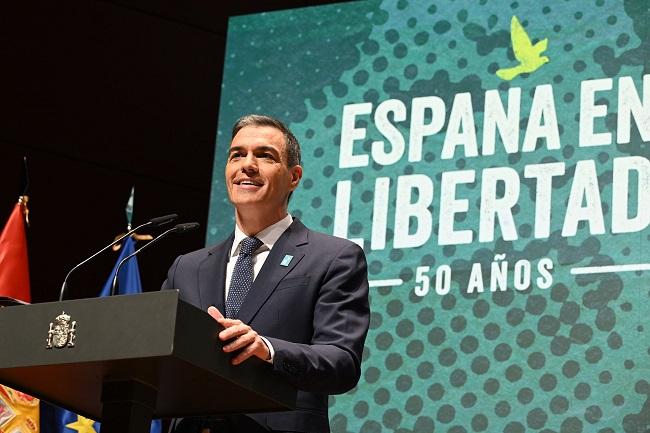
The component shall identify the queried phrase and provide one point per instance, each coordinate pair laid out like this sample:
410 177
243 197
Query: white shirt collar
269 236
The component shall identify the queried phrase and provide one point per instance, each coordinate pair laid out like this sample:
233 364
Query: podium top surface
153 338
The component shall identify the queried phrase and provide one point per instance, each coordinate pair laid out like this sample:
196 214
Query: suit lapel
212 275
273 272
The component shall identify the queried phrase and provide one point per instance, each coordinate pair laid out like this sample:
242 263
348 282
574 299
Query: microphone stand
154 221
179 228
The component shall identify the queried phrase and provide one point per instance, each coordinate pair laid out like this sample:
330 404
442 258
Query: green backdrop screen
491 157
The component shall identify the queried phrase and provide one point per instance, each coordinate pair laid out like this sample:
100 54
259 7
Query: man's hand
241 337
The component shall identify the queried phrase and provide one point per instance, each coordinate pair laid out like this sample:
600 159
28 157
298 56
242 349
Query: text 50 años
500 275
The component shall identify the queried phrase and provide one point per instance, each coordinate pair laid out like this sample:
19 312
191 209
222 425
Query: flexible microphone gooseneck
178 228
156 222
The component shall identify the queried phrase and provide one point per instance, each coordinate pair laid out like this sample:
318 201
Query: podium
128 359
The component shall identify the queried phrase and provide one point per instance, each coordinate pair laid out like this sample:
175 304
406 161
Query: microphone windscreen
186 227
162 220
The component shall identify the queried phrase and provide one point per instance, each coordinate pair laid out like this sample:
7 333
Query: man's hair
291 143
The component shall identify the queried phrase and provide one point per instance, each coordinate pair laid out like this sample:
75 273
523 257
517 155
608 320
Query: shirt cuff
270 347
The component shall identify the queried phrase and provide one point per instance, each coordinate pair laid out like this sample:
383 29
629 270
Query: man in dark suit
293 297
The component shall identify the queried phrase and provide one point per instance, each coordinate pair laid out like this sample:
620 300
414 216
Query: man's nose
249 164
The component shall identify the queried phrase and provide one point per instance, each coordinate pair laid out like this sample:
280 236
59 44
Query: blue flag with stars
129 279
54 419
58 420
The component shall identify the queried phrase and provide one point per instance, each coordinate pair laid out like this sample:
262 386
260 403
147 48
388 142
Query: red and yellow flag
19 412
14 269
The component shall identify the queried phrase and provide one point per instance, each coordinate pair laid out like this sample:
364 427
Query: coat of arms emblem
62 332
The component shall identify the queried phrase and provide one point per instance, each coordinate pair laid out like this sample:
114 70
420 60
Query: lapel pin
286 260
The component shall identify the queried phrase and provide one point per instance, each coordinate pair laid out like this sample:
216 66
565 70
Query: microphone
156 222
178 228
162 220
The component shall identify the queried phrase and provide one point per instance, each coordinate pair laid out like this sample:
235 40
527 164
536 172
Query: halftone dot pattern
569 358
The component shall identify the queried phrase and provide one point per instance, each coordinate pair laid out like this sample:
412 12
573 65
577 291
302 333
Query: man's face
257 175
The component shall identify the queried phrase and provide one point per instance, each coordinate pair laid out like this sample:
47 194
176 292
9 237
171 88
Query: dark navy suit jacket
314 312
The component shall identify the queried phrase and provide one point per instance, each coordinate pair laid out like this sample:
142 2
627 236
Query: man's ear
296 175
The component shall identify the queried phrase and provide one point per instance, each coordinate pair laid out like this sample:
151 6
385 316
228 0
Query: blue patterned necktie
242 276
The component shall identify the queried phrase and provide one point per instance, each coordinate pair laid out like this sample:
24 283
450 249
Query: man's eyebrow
266 149
257 149
234 149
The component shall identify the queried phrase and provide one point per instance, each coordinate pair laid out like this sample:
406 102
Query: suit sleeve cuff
270 347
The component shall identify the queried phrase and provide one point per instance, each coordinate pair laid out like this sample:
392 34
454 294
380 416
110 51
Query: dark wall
102 96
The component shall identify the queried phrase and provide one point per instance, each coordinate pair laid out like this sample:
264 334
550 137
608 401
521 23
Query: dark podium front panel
153 338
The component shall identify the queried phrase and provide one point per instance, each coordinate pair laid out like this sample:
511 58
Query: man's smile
248 182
